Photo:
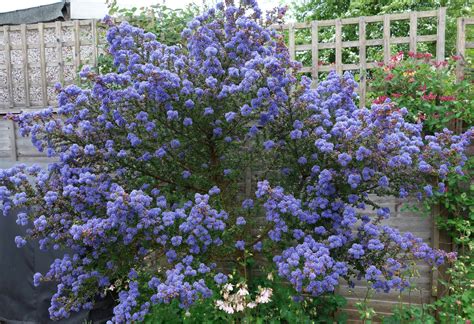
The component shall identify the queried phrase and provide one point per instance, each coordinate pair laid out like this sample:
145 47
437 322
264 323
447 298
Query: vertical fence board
94 42
26 77
362 62
291 41
77 45
44 86
413 31
12 135
435 211
59 51
460 47
441 31
8 65
386 38
314 52
339 46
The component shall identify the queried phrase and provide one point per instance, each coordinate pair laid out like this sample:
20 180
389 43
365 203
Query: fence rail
412 39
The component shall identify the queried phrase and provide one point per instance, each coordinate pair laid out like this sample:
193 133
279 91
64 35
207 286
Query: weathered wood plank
44 89
59 51
362 62
94 42
441 32
338 46
24 54
314 52
413 31
461 47
77 45
291 41
12 136
8 65
386 38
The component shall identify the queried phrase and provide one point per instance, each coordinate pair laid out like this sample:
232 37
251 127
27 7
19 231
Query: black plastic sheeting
20 300
34 15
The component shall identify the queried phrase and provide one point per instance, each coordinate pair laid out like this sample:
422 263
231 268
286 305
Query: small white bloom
224 306
264 296
239 307
243 291
228 287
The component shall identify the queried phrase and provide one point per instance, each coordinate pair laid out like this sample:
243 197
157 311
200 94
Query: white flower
264 296
252 305
243 291
222 305
228 287
239 307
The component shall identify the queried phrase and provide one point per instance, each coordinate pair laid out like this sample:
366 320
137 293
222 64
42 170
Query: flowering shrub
146 191
427 88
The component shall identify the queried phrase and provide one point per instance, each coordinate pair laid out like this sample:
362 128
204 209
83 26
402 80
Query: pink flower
428 97
447 98
380 100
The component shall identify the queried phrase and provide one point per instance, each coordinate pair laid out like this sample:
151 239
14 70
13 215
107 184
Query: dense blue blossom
150 160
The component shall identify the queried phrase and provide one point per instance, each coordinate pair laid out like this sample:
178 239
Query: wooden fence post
339 46
460 47
413 31
386 39
291 41
26 77
314 52
44 86
362 62
440 35
8 65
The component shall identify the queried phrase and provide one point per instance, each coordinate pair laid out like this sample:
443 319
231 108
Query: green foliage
458 222
428 89
164 22
411 314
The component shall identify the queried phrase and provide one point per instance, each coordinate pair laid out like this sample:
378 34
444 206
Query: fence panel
34 57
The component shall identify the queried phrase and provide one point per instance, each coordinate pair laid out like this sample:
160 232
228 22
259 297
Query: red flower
380 100
411 54
389 77
456 57
429 97
396 95
447 98
421 117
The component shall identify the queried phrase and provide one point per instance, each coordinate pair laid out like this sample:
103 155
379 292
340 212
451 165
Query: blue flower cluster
146 189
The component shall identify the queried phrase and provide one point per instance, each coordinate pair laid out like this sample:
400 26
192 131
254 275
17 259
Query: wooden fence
412 39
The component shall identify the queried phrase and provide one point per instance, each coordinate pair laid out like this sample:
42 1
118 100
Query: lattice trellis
412 39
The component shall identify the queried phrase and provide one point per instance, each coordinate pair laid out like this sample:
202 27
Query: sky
6 5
